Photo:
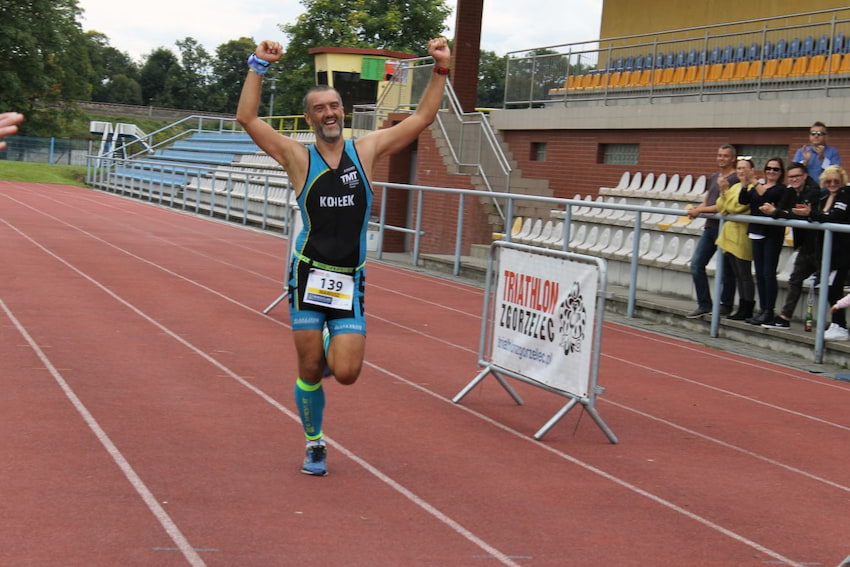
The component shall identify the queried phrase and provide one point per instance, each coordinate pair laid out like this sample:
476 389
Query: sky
508 25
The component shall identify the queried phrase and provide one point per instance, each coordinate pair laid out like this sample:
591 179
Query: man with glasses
817 155
796 203
707 245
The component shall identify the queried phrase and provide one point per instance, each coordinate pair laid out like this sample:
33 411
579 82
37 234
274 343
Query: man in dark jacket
796 203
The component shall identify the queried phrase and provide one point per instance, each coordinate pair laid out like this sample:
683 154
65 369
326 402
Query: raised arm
390 140
282 149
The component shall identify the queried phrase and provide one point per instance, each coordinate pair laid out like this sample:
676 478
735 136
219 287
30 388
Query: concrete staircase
470 151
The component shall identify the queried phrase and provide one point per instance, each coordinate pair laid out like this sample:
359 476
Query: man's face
817 136
796 178
326 115
725 158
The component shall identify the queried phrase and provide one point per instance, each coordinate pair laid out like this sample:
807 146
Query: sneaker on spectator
836 333
777 323
315 463
697 313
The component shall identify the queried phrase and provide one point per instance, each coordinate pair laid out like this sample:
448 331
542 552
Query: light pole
271 98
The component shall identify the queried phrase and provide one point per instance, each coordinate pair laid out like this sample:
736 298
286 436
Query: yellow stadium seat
798 69
693 74
616 80
817 65
645 78
715 71
728 72
834 63
594 82
770 68
572 82
754 71
784 68
845 65
742 69
678 76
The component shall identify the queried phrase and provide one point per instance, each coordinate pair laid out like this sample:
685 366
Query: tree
491 79
154 76
381 24
108 66
43 61
229 71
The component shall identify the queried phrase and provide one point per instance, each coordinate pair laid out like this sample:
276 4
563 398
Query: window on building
619 154
761 154
538 151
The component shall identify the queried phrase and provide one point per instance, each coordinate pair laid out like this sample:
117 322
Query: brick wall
573 157
439 222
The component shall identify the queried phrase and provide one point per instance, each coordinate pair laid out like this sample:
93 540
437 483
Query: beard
328 133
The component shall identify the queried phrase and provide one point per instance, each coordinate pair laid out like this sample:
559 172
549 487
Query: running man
332 181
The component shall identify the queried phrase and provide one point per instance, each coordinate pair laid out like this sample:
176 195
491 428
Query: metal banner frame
588 402
294 225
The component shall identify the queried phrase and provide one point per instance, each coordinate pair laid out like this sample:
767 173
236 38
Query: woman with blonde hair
733 239
834 206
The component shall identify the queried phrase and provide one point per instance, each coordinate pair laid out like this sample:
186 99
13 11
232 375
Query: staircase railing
471 140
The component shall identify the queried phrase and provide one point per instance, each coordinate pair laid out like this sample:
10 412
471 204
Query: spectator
9 125
733 241
766 239
817 155
796 204
834 206
707 243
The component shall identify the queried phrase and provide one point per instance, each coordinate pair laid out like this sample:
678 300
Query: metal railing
237 203
542 76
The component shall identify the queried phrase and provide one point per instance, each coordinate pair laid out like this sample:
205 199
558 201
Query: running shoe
836 333
777 323
315 462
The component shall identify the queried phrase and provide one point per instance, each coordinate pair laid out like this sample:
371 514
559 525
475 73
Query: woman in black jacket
766 239
834 207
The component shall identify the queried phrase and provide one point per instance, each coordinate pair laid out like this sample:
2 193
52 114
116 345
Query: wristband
441 70
257 65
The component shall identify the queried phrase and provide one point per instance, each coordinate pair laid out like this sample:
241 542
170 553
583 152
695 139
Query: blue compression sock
310 399
326 344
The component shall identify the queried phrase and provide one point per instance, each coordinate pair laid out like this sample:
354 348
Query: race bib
329 289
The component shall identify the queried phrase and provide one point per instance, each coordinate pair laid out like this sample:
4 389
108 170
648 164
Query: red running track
147 419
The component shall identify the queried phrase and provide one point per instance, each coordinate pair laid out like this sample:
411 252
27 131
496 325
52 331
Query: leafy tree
491 79
43 61
229 73
154 76
382 24
108 65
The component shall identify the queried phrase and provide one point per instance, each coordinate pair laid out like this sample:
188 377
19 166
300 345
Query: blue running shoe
315 462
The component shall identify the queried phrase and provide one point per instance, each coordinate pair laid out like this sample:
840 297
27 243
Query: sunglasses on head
768 168
817 133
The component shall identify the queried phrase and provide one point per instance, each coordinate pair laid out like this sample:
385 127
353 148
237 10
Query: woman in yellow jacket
733 239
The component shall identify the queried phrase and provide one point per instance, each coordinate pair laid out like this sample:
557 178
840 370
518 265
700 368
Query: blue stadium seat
659 61
807 47
670 60
702 58
727 55
680 59
767 50
714 56
753 52
838 44
638 63
779 50
618 64
629 64
822 47
692 58
740 54
794 47
649 61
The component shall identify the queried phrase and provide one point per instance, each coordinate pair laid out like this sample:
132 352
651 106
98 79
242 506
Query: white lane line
623 483
729 392
729 445
153 505
597 471
685 345
410 495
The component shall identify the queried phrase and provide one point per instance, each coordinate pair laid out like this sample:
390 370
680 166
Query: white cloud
508 25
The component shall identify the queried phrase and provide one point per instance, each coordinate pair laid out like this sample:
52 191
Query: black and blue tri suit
335 207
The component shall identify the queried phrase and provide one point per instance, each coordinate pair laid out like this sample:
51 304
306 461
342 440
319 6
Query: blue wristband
257 65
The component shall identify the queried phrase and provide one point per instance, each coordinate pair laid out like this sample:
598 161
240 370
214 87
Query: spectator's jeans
702 254
743 270
766 259
805 264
